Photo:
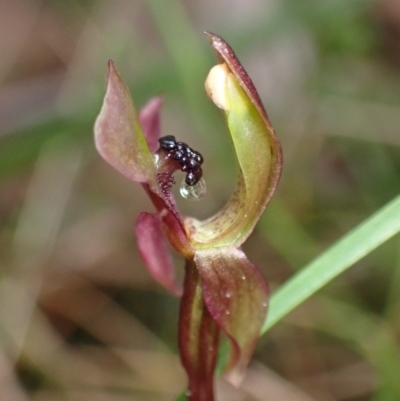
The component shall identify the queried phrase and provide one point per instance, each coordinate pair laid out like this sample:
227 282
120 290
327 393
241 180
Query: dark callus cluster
189 160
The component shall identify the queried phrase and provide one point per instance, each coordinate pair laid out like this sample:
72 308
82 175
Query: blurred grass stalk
35 236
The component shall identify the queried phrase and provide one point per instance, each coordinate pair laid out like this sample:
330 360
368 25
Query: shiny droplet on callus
193 192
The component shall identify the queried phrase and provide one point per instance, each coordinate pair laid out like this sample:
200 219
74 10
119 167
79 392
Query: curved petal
118 136
153 250
236 295
257 148
198 338
149 117
172 222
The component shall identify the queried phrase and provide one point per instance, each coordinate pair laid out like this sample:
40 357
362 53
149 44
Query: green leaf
358 243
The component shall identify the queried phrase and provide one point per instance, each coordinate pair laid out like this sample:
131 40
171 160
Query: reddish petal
149 118
172 222
153 249
198 338
236 295
118 136
176 234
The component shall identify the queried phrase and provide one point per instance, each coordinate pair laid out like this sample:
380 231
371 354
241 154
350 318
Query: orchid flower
223 292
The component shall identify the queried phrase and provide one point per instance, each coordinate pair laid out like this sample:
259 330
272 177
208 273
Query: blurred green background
80 318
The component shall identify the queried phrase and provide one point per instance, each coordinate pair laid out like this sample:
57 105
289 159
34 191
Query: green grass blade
363 239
